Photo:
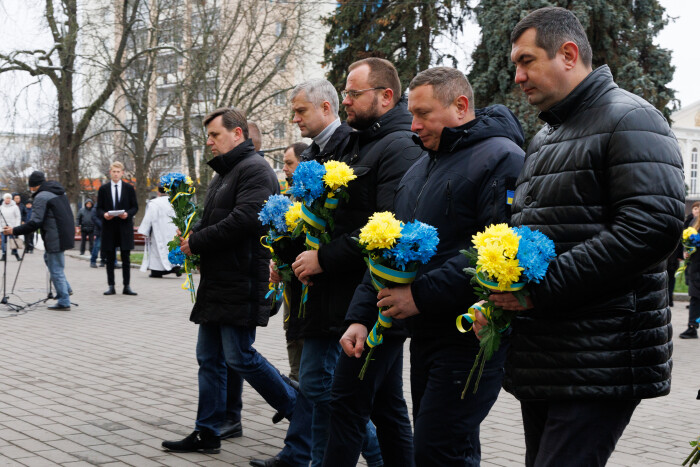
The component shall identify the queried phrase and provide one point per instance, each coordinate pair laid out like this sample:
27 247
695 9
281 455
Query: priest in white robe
158 228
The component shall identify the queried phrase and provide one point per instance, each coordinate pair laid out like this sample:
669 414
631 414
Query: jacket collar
592 86
223 163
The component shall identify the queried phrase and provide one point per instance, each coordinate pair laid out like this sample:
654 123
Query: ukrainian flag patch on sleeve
509 197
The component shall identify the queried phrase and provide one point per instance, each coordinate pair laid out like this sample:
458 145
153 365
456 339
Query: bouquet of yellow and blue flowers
180 190
274 215
691 242
394 252
319 187
506 260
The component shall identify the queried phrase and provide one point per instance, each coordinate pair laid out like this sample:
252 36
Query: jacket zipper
431 165
449 197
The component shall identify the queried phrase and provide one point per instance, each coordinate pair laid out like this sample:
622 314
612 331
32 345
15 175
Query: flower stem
366 364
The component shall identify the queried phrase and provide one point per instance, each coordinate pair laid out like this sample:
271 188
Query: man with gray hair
315 108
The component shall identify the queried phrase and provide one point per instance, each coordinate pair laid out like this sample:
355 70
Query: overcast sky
21 27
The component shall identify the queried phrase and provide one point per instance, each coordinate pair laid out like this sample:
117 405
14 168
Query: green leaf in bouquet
471 254
470 271
325 237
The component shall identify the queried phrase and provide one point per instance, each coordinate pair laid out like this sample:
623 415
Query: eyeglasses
352 94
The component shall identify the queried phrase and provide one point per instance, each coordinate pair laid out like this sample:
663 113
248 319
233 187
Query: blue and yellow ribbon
311 218
375 338
331 203
494 285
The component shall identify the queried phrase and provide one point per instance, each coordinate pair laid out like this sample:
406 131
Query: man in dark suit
117 230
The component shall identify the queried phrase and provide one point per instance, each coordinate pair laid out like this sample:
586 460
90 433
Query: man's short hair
116 165
231 118
298 149
317 92
554 26
448 84
382 74
255 135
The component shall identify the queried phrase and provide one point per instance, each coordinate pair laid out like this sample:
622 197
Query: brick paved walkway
106 382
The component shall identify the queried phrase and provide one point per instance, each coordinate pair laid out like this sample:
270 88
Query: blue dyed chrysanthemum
308 181
535 251
418 242
694 240
176 257
273 211
172 179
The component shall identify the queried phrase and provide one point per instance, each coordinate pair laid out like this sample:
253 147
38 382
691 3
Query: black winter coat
234 265
604 180
379 156
51 212
460 189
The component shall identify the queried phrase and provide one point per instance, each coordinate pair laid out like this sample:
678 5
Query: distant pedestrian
87 226
12 217
158 227
117 197
28 238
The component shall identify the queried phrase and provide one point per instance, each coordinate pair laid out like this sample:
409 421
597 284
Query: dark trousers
234 395
573 433
29 241
672 265
110 257
694 312
86 236
379 397
447 426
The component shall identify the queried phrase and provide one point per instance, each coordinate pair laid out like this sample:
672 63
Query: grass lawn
137 258
681 286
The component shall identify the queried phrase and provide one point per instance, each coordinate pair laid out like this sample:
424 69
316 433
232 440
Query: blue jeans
56 263
5 238
446 429
318 361
221 345
96 249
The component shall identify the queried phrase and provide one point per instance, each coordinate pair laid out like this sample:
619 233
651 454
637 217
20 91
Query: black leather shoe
690 333
110 291
198 441
271 462
58 307
128 291
230 429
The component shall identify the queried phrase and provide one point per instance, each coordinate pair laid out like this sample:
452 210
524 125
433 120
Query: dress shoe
110 291
690 333
128 291
271 462
58 307
199 441
93 265
230 429
17 256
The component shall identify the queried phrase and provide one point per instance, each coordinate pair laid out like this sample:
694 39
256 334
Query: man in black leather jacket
603 179
460 186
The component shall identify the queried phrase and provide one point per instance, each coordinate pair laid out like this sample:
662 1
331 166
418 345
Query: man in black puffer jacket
604 180
231 300
460 187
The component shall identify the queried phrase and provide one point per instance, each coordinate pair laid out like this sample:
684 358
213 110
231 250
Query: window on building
280 98
279 130
694 171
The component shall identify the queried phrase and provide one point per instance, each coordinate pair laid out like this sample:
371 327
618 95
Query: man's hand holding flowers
398 302
306 265
353 341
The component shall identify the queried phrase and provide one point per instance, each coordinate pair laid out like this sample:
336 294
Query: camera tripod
5 298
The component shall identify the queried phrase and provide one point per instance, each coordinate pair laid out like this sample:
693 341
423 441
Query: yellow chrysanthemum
688 232
293 216
490 259
338 174
188 180
381 231
508 273
490 235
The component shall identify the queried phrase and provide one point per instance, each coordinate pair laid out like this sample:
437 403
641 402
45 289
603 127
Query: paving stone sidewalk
106 382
